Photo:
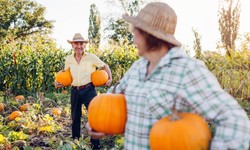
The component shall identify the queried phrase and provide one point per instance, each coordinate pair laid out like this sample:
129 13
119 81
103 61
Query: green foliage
120 31
28 67
94 34
197 44
232 72
117 28
119 58
21 18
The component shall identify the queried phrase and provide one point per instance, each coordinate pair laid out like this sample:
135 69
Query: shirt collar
173 53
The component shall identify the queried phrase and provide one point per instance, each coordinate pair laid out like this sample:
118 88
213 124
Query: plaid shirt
151 98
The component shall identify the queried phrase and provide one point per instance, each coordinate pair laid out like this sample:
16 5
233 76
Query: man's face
78 47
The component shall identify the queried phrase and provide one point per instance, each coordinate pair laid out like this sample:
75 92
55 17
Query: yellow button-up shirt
81 73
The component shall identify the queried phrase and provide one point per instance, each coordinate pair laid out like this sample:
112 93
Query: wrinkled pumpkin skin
107 113
99 77
190 132
64 77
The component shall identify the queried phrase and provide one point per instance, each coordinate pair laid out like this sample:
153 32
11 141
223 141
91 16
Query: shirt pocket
161 101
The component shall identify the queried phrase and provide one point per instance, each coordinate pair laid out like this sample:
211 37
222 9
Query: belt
82 86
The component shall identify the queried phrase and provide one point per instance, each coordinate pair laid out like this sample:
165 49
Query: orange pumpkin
107 113
180 131
1 107
99 77
64 92
19 97
15 114
56 111
64 77
24 107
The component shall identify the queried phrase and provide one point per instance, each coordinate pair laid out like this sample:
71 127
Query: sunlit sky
72 16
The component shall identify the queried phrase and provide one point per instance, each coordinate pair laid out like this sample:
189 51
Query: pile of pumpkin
176 131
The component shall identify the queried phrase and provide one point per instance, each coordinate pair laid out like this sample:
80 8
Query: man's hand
109 82
58 84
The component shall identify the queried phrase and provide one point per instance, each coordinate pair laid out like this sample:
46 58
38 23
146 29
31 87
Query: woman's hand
108 83
93 134
58 84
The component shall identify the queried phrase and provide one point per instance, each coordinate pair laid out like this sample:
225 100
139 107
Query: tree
118 28
94 26
120 31
229 21
197 44
21 18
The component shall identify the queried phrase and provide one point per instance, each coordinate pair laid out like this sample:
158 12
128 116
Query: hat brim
83 41
137 22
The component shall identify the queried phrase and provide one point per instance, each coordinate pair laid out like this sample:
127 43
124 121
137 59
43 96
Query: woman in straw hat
165 72
81 65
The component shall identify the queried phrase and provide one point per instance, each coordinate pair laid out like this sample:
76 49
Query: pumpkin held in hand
99 77
180 131
64 77
107 113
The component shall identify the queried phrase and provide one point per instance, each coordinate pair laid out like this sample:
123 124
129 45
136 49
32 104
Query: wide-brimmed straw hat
78 38
157 19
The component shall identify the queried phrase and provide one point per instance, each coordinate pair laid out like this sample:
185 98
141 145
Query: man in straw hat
165 72
81 65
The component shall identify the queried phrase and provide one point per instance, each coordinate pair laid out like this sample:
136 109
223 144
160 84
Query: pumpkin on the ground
64 92
56 111
64 77
1 107
99 77
15 114
24 107
180 131
107 113
19 97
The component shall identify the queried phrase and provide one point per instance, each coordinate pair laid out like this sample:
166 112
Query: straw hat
157 19
78 38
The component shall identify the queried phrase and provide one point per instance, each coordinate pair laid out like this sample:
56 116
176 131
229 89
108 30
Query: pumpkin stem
174 116
100 68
